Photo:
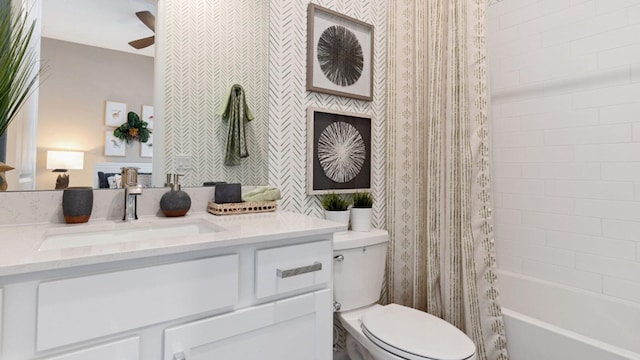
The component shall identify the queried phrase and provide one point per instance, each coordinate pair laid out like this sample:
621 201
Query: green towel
237 113
262 193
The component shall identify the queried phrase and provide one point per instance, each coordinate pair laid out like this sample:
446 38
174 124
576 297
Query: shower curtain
441 257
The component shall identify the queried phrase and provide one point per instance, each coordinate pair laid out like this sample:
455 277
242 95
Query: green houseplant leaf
17 60
334 202
362 200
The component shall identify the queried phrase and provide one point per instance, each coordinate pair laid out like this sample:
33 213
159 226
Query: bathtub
547 321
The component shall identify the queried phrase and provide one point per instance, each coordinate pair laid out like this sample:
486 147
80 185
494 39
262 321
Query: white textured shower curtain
441 257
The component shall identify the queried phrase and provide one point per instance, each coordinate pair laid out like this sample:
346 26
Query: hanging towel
237 113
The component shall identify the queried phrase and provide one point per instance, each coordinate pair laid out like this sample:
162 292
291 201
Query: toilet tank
358 274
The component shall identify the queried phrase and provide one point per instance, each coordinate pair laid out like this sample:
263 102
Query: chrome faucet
131 192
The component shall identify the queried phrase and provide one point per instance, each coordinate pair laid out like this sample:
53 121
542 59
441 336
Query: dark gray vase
175 203
77 203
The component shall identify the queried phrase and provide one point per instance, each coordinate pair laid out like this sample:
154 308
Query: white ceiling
108 24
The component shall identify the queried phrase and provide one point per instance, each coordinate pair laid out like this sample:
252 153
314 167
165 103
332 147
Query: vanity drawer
82 308
288 268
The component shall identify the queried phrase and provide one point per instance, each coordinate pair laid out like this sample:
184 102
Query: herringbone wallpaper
288 100
211 45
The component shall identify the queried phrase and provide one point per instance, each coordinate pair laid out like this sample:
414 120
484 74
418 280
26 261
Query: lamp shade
65 160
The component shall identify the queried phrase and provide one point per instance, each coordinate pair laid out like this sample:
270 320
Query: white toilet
376 332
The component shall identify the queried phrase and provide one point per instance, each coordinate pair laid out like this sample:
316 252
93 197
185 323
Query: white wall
566 130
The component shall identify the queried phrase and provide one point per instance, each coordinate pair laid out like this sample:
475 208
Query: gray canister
77 203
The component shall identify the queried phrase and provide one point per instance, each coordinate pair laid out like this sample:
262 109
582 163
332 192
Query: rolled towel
262 193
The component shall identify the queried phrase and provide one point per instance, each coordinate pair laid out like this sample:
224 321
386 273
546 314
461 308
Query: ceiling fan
148 19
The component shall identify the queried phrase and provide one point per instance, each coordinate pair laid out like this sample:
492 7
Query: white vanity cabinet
261 299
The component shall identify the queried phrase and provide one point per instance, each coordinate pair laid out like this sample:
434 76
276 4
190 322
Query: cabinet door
126 349
290 329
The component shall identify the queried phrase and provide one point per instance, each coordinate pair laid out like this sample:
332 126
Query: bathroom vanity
200 287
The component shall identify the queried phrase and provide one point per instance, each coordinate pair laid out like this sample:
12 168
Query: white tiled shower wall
565 87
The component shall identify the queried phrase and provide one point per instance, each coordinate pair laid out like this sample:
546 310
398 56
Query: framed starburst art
338 152
339 54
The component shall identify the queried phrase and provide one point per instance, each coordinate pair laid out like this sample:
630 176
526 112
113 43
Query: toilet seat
416 335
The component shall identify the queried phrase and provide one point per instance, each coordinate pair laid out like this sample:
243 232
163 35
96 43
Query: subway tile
636 132
616 210
506 7
570 14
548 154
581 29
523 45
623 289
518 139
533 11
622 113
636 185
623 152
606 190
634 14
502 80
516 232
544 254
588 80
552 104
563 275
616 268
615 38
597 245
519 186
561 120
617 229
624 55
555 205
559 222
605 6
607 96
503 123
508 216
520 61
508 263
561 171
559 68
621 171
590 135
507 170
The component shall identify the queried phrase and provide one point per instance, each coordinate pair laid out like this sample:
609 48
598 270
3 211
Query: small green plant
133 129
362 200
334 202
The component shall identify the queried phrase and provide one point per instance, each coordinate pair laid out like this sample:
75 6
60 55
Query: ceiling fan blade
143 43
148 19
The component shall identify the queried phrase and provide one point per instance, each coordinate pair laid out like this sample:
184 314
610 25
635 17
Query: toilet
376 332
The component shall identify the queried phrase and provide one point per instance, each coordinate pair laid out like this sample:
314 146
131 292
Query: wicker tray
248 207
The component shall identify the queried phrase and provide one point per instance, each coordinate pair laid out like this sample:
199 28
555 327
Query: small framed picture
339 54
338 152
147 115
146 149
114 146
115 113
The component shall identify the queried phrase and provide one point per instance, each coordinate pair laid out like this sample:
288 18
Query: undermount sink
123 232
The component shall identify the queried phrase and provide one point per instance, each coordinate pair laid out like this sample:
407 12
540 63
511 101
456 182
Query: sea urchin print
341 152
340 55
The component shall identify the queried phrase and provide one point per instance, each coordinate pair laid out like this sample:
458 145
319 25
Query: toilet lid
416 335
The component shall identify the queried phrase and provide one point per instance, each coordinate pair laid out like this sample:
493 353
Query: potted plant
17 63
133 129
361 211
336 208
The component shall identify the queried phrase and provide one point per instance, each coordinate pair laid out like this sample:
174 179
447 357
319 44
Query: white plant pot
337 216
361 219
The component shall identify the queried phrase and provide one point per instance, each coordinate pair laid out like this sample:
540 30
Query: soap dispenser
175 202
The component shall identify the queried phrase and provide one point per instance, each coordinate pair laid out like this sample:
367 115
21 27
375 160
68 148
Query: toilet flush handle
338 258
336 306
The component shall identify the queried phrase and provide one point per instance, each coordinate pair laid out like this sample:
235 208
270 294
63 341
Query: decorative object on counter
228 193
338 152
77 203
361 211
114 113
175 202
17 61
131 192
262 193
3 180
336 208
133 129
237 113
339 54
63 161
242 208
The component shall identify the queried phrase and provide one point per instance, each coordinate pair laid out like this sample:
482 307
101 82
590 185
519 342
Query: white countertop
21 252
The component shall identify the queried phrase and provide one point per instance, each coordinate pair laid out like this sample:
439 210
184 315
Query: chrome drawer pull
299 270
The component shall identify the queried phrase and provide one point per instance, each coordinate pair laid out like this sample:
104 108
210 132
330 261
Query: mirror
77 113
